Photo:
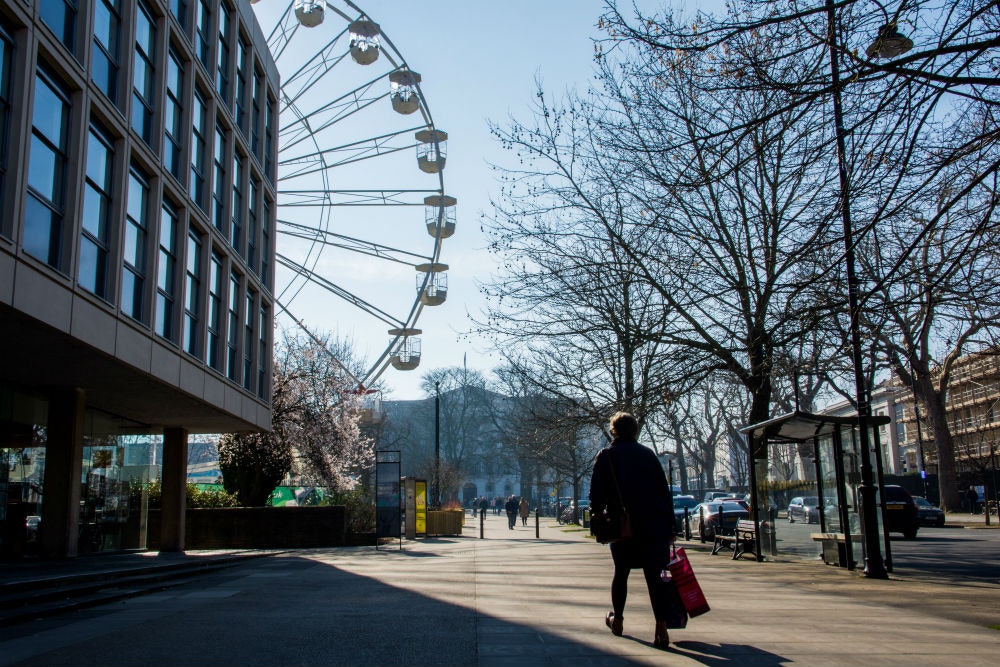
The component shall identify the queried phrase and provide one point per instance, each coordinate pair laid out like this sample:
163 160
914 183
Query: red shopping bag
687 585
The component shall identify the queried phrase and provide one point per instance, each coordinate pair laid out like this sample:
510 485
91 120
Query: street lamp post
874 565
437 445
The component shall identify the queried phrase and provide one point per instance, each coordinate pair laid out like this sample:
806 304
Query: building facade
138 144
972 403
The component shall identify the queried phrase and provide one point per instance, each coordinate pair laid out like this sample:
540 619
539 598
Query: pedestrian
629 474
524 510
511 508
482 507
973 500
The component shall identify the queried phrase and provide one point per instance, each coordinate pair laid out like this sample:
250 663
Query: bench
746 539
723 540
742 539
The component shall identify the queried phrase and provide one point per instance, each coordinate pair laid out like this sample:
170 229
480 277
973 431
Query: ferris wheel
353 254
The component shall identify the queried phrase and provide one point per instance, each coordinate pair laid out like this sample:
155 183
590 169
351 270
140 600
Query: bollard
536 523
482 523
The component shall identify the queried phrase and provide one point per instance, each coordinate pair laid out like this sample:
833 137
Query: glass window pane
95 211
49 112
41 231
43 167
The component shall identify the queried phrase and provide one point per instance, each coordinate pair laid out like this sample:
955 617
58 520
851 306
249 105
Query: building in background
137 168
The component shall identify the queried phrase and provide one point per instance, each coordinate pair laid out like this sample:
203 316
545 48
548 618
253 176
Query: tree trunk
937 414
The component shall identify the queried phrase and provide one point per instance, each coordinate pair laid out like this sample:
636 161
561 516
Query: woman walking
524 510
629 474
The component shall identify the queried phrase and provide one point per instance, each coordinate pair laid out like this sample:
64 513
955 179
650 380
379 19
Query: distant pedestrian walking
483 504
511 507
524 510
973 500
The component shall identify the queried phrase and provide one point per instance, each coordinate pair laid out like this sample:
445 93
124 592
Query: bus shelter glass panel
852 463
790 499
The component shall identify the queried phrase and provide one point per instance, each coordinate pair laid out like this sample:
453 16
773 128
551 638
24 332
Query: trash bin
586 518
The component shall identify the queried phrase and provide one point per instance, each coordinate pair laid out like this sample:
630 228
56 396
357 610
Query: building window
179 8
233 330
219 181
214 309
43 217
252 227
257 112
197 185
144 79
6 60
134 251
240 98
107 30
222 63
60 16
898 416
96 215
203 33
249 338
265 244
269 139
174 115
236 230
166 275
192 300
262 362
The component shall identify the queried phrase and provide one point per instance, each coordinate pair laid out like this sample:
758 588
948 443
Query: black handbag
610 525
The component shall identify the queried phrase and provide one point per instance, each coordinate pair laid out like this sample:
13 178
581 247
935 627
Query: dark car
804 508
682 503
900 511
928 514
705 517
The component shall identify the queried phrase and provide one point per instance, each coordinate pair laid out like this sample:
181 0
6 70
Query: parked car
715 495
705 517
928 514
681 503
805 508
900 511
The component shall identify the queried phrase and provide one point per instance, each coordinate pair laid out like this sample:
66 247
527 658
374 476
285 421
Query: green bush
360 508
196 497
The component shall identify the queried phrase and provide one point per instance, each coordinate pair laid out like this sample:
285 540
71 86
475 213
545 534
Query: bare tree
936 308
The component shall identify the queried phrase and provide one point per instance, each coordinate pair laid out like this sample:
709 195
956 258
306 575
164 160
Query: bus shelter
813 460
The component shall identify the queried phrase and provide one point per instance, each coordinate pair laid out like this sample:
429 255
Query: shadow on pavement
295 610
727 655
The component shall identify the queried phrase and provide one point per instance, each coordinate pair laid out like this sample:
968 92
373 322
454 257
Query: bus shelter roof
802 426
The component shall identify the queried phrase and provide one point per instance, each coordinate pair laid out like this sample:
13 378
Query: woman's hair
624 425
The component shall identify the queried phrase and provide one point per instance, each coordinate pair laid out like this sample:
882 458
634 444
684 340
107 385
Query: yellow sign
421 507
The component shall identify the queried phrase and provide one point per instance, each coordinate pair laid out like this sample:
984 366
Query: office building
138 144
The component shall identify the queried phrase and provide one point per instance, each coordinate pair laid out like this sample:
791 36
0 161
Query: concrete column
59 532
174 489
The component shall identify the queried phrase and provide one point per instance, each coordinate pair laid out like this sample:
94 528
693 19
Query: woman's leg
619 582
652 574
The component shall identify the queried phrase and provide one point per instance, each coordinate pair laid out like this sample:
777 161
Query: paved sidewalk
505 600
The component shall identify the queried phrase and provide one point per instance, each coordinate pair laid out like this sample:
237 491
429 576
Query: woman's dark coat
644 489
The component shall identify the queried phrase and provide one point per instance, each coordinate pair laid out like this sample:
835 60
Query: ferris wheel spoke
298 126
339 291
282 33
350 243
358 151
307 198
